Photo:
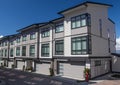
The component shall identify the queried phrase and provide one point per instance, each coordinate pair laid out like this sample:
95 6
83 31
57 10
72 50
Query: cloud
118 43
1 36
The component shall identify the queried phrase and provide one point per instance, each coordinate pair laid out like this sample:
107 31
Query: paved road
14 77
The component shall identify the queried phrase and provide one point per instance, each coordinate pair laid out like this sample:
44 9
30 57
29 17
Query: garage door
20 65
72 70
10 64
43 68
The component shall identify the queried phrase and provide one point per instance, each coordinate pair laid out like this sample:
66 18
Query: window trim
43 31
59 24
30 51
87 16
87 49
48 47
56 42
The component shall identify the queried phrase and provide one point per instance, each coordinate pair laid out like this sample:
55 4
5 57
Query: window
59 27
32 36
23 50
24 37
2 53
79 45
18 40
45 50
5 52
32 50
100 25
11 52
12 43
18 51
5 43
45 33
59 47
98 63
80 21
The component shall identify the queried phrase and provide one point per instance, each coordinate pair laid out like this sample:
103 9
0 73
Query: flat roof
90 2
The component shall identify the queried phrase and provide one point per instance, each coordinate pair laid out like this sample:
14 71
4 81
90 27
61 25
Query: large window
2 53
5 52
5 43
32 36
80 21
11 52
79 45
18 40
59 27
45 50
59 47
24 38
23 50
45 33
12 43
32 50
18 51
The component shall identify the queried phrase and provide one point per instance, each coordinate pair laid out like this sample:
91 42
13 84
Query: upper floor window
45 33
32 50
5 43
59 27
24 37
59 47
45 50
1 53
32 36
5 52
12 43
23 50
79 21
11 52
18 51
79 45
18 40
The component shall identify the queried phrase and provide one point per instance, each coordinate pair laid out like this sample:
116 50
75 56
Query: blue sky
16 14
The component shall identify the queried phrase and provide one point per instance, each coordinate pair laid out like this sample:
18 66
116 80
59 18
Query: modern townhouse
83 38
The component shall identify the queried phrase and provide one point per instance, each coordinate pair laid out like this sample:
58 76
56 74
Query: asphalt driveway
15 77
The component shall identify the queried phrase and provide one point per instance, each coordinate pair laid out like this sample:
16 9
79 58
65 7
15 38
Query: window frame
11 55
31 36
17 54
81 50
23 53
58 25
44 31
74 20
47 47
59 43
31 54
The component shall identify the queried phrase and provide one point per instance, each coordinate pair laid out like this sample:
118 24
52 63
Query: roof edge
84 4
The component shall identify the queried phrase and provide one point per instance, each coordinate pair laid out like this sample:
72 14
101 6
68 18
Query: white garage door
43 68
10 64
73 70
20 65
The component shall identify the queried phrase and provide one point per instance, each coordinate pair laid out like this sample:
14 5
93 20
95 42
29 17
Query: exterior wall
99 70
116 64
99 46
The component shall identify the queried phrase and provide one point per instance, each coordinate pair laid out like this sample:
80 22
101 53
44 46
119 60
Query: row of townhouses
84 37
